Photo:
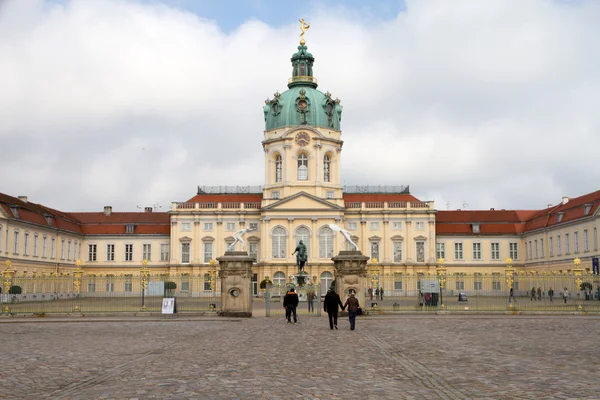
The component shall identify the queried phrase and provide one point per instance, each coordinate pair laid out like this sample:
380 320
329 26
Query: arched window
325 242
326 169
279 242
278 284
302 233
302 167
278 169
326 279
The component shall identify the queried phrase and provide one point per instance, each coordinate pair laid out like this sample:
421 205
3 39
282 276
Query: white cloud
490 103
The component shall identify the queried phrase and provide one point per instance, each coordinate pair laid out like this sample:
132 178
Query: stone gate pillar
350 274
235 273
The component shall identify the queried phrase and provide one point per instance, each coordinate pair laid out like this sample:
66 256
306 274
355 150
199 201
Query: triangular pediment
302 201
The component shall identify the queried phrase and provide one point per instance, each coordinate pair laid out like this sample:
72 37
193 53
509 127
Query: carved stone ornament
302 139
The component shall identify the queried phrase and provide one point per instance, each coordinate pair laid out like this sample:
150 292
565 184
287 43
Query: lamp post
144 275
441 272
577 271
7 280
77 283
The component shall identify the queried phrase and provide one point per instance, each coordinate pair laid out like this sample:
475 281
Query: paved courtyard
398 357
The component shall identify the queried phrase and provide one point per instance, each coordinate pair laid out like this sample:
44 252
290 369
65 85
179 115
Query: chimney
148 209
565 200
23 199
492 209
549 205
107 210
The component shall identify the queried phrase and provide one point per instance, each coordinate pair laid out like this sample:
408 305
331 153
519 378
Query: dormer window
49 219
559 216
586 209
129 228
475 228
15 211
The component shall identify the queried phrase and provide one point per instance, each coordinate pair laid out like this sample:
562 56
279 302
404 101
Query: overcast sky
474 104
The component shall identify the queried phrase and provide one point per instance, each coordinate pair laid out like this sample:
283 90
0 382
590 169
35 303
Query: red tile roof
572 210
226 198
378 197
122 217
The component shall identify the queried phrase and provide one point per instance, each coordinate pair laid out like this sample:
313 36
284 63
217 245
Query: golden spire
303 27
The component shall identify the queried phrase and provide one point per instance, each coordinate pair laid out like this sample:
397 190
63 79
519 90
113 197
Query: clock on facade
302 138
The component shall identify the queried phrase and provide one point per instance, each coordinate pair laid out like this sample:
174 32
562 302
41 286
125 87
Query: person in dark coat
352 304
330 305
290 302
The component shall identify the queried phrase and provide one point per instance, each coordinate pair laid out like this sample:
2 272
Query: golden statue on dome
303 27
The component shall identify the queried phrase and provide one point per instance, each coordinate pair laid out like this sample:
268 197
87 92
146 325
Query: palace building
301 194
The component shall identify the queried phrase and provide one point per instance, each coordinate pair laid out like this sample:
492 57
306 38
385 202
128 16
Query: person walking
352 304
539 293
370 291
512 296
290 302
310 298
330 306
381 294
532 294
550 294
565 295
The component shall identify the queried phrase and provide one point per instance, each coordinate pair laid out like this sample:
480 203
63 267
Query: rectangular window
208 252
495 251
530 251
558 245
458 251
208 226
397 281
185 283
253 250
35 244
440 250
110 252
275 194
567 244
476 251
53 248
460 281
91 252
185 253
352 226
69 250
129 252
542 253
110 286
420 226
551 246
44 246
396 226
375 250
91 286
535 248
230 227
586 240
420 251
397 252
128 283
374 226
477 282
576 241
253 225
330 194
26 244
62 249
514 251
496 284
147 252
164 252
595 239
186 226
75 255
16 244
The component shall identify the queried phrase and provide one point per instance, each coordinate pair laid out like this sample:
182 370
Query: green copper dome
302 103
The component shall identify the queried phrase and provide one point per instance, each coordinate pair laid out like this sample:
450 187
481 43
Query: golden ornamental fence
83 293
482 292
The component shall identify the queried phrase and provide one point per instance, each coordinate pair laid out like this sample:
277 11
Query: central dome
302 103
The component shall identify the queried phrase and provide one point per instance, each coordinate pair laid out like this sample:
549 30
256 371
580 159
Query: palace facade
300 196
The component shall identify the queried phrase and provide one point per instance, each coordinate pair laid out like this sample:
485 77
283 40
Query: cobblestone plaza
396 357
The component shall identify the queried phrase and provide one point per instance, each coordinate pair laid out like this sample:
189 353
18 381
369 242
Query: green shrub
15 290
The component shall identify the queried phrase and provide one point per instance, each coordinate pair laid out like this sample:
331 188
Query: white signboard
430 286
168 305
